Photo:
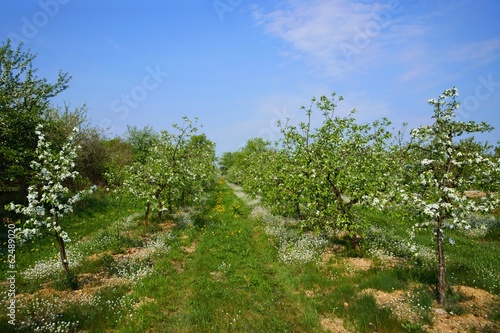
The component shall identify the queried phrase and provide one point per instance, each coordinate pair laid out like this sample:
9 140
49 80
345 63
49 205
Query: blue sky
239 66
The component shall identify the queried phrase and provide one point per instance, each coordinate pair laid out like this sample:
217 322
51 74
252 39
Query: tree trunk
160 203
148 206
62 252
441 287
72 280
160 209
355 239
297 209
170 203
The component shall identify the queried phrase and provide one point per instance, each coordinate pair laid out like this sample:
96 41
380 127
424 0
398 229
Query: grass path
224 278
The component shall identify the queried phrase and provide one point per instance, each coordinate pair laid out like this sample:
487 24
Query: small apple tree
48 199
444 171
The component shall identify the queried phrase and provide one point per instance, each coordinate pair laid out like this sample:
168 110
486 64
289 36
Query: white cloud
338 36
430 61
479 52
342 37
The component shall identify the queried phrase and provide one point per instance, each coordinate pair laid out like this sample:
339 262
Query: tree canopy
24 103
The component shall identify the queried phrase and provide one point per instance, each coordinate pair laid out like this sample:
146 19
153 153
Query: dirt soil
476 310
476 304
335 325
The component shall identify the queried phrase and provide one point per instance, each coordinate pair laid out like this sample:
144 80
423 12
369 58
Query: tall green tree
141 141
24 103
226 161
239 165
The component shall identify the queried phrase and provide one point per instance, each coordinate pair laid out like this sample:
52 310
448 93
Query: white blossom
45 209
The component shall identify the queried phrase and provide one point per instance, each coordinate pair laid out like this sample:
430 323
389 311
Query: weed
385 279
365 316
421 298
46 268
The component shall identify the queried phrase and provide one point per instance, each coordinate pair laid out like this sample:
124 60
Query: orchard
325 176
329 220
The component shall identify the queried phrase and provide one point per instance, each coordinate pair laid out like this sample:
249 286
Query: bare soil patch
476 304
359 264
218 276
333 325
447 323
190 249
167 225
397 302
474 194
133 252
348 266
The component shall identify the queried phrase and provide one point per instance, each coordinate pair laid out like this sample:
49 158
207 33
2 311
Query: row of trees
322 175
171 171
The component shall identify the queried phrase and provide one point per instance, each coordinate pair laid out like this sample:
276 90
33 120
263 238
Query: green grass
217 270
232 282
93 214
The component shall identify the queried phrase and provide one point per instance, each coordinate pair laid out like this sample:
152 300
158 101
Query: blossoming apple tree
445 170
48 199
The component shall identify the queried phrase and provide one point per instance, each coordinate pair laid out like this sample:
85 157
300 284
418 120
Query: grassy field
227 265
